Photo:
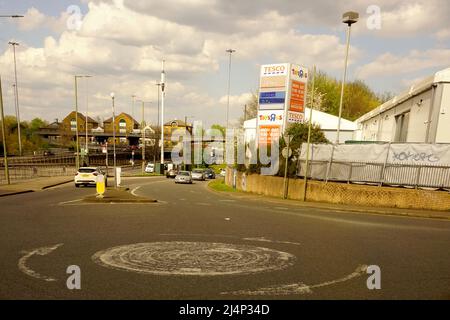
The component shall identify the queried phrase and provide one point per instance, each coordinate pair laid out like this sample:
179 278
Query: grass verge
219 185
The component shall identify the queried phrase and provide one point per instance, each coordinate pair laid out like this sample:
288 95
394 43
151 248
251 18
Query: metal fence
410 175
21 173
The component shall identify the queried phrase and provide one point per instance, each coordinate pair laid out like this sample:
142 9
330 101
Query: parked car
88 176
210 174
150 168
223 172
172 173
198 174
183 177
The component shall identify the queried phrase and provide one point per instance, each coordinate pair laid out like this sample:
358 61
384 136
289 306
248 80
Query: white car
150 168
198 174
88 176
183 177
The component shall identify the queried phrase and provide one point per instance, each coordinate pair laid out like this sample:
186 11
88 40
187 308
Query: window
401 124
73 124
122 123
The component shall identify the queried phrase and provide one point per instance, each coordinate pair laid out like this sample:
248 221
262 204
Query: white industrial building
327 122
420 114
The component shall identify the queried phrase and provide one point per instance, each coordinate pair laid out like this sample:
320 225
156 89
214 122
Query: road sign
285 151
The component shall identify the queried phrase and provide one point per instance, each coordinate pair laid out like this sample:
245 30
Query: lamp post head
112 95
350 17
230 50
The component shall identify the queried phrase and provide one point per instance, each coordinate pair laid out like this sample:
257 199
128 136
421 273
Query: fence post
384 166
330 163
419 169
350 173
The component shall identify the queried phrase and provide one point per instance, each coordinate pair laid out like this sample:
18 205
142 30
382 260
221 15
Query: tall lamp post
163 94
230 51
5 153
114 139
348 18
143 125
77 159
86 150
16 94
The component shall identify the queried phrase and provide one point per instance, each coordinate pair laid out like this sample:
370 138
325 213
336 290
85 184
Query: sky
121 44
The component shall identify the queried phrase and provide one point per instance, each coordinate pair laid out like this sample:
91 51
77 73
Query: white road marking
298 288
41 252
134 190
203 204
193 258
227 200
68 202
262 239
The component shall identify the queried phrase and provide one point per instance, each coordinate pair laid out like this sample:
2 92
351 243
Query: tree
251 110
299 134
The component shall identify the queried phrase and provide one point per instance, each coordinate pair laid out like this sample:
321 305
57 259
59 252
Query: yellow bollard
100 185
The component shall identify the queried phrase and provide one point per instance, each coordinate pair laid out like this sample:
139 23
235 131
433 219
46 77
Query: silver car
198 174
183 177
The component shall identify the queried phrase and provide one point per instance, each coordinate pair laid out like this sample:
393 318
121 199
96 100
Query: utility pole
114 139
245 112
86 124
5 153
132 105
305 181
163 84
348 18
16 93
77 159
230 51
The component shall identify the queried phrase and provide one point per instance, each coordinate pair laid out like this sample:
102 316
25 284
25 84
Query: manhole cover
193 258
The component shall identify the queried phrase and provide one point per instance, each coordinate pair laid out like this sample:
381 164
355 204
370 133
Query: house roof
82 116
180 123
415 89
120 114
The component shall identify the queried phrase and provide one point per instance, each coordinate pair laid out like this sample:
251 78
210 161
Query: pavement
430 214
196 244
33 185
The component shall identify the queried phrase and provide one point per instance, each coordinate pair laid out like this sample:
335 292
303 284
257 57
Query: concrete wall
342 193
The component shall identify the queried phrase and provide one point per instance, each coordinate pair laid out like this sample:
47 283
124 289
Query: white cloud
390 64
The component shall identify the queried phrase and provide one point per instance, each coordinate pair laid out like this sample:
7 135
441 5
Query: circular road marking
193 258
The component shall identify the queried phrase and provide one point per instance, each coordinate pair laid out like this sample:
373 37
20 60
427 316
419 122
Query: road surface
198 244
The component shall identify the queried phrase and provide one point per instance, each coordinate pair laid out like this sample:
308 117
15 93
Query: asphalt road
197 244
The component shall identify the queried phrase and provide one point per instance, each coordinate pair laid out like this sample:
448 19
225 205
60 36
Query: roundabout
193 258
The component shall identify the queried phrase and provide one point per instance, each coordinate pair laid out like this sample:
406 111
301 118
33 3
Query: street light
143 134
77 159
230 51
86 118
348 18
114 139
5 153
163 84
16 94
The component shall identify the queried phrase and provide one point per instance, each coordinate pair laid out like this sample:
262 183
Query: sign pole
309 135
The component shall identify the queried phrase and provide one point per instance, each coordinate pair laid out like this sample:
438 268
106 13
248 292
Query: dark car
172 173
209 174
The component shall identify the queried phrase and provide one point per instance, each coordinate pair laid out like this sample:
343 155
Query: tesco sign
274 69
